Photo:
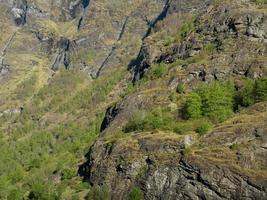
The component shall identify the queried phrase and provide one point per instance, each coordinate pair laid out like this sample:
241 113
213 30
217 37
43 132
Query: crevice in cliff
80 23
138 66
26 12
120 35
85 5
104 63
84 169
63 56
160 17
123 28
111 113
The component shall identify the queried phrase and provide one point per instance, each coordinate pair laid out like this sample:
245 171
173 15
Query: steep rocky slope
84 74
51 107
229 163
220 42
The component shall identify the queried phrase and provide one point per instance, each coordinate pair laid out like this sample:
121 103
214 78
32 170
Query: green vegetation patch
203 128
98 193
136 194
193 106
143 121
217 100
251 91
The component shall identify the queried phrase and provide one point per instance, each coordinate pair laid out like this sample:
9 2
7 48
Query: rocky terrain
226 164
136 99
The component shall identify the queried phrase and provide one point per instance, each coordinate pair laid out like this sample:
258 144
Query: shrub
217 100
159 70
203 128
156 119
135 124
145 121
251 92
168 40
15 194
136 194
81 186
129 90
261 89
209 48
188 126
187 28
43 191
245 97
68 174
178 130
75 197
98 193
192 108
180 88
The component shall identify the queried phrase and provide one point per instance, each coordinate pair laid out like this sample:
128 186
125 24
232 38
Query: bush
143 121
245 97
192 108
217 100
138 123
15 194
209 48
251 92
98 193
261 89
44 191
68 174
159 70
178 130
203 128
129 90
136 194
180 88
168 40
189 126
156 119
187 28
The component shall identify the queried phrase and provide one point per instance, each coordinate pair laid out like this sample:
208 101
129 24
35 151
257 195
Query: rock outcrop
166 166
19 12
216 36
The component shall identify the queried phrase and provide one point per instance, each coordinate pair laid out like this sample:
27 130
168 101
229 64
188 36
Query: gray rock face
62 56
216 25
145 57
230 20
190 182
4 70
256 26
119 173
19 12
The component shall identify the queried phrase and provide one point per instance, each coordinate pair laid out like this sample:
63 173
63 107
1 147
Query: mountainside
136 99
